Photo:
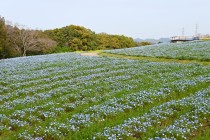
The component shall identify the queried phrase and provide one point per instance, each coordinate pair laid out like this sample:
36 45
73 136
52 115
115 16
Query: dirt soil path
90 54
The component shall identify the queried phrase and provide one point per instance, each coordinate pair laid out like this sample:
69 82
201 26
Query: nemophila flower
189 50
184 125
55 95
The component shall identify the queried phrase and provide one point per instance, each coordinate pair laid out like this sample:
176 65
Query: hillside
78 38
154 41
69 96
17 40
185 51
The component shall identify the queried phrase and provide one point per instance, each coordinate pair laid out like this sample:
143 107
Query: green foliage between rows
68 96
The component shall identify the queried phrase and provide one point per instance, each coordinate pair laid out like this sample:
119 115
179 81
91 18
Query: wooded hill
16 40
77 38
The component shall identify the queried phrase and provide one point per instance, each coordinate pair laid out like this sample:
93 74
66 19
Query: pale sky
134 18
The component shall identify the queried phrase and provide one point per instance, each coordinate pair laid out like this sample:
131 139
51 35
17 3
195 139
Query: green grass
199 51
152 59
68 96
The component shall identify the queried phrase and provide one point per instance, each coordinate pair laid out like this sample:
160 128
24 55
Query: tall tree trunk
24 52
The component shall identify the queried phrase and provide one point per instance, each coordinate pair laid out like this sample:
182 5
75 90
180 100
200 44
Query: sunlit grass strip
152 59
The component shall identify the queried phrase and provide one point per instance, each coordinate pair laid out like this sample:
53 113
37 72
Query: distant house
180 39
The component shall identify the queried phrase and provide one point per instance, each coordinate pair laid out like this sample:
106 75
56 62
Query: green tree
75 37
106 41
81 38
4 47
143 43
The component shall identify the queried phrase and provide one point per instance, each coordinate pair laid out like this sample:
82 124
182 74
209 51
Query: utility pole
196 30
183 31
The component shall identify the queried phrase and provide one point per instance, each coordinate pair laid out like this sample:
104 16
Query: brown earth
90 54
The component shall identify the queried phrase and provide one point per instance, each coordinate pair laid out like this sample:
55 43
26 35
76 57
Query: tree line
17 40
76 38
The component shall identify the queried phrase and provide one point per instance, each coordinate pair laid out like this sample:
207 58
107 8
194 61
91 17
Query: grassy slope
202 133
185 51
87 75
152 59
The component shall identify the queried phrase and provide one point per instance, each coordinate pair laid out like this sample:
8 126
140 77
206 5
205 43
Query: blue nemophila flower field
189 50
68 96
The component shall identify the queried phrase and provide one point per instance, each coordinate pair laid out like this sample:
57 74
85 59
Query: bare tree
47 45
22 40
